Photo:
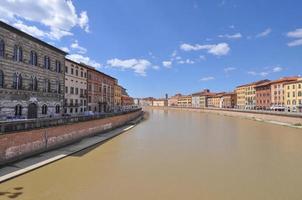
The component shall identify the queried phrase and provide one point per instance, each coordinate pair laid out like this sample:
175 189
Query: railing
13 126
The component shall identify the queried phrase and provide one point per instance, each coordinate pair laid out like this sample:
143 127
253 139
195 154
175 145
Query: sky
154 47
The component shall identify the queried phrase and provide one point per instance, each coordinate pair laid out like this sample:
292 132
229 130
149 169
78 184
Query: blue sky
155 47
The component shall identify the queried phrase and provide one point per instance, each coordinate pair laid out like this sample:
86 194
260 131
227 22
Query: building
173 101
31 76
127 101
246 95
229 100
184 101
75 88
160 102
117 96
147 101
293 95
200 99
278 92
263 96
240 93
100 89
215 101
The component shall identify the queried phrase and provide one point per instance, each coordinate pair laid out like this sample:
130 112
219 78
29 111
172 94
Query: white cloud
207 78
234 36
277 69
75 45
215 49
138 65
167 64
264 33
229 69
266 72
156 67
84 59
187 61
297 34
66 49
57 17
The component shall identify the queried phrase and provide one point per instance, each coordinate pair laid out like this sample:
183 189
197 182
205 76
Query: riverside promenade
281 118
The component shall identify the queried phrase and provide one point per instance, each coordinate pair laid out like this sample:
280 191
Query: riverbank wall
18 145
288 119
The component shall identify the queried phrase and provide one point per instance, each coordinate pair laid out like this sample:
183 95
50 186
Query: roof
94 69
263 84
17 31
253 83
285 79
72 61
299 80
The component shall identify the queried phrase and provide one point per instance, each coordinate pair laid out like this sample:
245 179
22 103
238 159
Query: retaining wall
14 146
288 118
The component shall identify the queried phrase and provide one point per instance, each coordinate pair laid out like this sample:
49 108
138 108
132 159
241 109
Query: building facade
31 76
216 100
100 90
240 93
293 95
263 96
184 101
117 96
278 92
173 101
160 102
75 88
229 100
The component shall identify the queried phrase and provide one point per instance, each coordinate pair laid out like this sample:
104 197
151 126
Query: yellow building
293 95
117 96
184 101
240 93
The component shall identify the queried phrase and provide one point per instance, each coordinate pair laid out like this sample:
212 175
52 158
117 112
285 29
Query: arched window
18 110
58 66
33 58
17 81
1 79
46 62
34 84
18 53
58 109
2 49
44 109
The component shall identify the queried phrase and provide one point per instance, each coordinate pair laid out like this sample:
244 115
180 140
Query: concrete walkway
18 168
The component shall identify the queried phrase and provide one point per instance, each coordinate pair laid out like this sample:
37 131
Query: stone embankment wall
293 119
14 146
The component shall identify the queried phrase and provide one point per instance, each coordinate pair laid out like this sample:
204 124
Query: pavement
24 166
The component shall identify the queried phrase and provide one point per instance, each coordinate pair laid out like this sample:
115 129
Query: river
176 155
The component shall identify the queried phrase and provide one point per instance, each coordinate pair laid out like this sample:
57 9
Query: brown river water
176 155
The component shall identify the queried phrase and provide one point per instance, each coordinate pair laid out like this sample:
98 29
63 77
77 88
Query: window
46 62
71 90
44 109
2 49
294 102
34 84
1 79
71 70
76 91
58 66
18 53
17 81
77 72
46 87
18 110
33 58
58 109
66 69
66 90
58 87
82 74
299 93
